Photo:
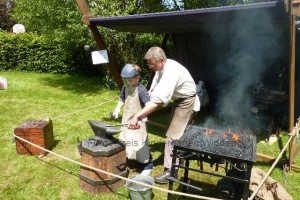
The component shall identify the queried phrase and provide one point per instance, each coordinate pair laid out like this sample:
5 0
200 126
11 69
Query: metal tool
118 125
126 124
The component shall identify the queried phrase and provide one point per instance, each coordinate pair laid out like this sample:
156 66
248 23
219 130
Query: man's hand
138 124
134 123
149 108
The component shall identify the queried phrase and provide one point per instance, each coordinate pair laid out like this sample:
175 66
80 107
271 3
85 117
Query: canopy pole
86 15
111 65
292 82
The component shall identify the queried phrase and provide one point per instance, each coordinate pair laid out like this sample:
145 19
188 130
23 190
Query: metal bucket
140 192
3 83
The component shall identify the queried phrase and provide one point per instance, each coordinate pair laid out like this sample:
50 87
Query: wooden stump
97 182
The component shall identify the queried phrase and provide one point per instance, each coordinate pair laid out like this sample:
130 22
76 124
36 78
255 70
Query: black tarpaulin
183 21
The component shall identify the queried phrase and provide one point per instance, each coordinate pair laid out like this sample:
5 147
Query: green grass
65 99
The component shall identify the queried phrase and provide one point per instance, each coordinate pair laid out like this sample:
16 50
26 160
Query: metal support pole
292 81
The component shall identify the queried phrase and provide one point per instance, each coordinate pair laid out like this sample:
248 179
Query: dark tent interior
240 52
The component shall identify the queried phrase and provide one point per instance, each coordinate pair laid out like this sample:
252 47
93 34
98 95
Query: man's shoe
162 178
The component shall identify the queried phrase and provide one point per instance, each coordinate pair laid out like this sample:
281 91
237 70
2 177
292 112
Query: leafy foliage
56 28
125 7
44 16
65 29
30 52
59 21
193 4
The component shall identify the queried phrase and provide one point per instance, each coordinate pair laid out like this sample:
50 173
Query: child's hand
115 114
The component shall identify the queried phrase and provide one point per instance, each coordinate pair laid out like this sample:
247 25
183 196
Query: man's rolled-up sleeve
163 91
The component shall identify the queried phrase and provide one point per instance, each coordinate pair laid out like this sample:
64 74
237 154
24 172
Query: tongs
126 124
118 125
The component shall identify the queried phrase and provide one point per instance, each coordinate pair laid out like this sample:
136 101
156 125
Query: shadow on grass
77 175
157 132
116 122
55 143
57 167
157 147
76 83
208 190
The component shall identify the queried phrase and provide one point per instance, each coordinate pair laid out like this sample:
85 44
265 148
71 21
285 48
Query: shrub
31 52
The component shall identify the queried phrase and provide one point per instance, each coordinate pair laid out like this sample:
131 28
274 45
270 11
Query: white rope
85 109
272 167
117 176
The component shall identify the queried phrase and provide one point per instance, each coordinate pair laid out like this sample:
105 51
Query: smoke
253 48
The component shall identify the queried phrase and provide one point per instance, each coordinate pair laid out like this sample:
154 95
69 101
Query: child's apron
136 141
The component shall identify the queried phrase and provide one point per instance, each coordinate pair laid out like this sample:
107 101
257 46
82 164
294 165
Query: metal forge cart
237 151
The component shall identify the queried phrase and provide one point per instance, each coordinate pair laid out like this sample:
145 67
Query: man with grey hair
172 82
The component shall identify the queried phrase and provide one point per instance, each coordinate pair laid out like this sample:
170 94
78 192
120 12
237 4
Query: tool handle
141 121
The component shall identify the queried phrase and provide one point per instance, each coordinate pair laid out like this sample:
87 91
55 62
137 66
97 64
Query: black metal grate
241 146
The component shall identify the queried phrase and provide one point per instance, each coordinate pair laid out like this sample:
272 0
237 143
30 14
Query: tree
46 16
124 46
194 4
6 22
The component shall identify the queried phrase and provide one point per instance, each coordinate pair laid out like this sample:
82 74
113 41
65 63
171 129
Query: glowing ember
226 134
235 137
209 132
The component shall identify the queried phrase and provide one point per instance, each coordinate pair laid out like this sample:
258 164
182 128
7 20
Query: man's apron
136 141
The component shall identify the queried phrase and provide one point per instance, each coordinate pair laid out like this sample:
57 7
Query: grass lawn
70 101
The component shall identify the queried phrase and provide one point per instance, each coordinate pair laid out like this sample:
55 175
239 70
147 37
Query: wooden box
38 132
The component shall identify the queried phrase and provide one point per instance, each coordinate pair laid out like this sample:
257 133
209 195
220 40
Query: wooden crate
38 132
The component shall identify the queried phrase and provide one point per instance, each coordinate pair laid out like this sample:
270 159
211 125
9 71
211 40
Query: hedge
32 52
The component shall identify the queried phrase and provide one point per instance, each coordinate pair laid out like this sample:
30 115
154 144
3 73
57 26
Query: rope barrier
84 109
117 176
272 167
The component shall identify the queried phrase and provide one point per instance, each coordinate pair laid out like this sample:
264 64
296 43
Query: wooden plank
264 157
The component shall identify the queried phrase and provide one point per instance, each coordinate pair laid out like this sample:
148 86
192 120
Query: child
134 97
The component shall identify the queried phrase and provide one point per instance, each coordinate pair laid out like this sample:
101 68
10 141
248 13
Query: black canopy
187 20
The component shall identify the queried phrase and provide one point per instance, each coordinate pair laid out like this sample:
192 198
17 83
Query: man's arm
149 108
